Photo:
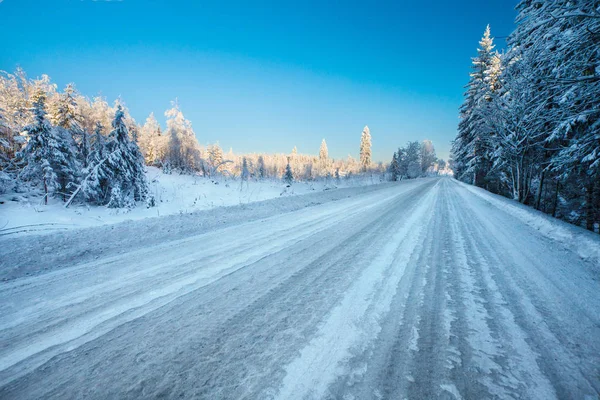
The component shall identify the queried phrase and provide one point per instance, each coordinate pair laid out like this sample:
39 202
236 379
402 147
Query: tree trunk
45 192
555 204
538 201
589 207
597 204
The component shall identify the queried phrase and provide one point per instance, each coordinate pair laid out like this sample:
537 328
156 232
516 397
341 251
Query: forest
74 148
529 125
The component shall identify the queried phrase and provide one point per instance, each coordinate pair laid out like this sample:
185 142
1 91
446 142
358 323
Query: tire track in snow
319 363
496 354
516 276
289 294
105 305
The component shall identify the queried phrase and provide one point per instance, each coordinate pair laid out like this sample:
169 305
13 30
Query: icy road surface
418 290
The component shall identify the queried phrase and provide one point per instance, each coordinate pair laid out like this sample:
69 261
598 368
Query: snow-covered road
418 290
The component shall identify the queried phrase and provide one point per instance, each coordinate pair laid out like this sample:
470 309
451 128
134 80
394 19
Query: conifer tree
48 159
395 167
365 149
323 154
119 178
473 148
288 177
262 171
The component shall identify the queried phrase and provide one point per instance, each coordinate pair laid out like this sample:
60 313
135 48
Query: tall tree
365 149
48 159
183 148
472 148
323 156
288 177
412 159
118 179
428 156
395 167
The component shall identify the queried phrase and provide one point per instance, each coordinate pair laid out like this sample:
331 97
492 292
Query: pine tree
48 159
472 149
395 168
412 159
323 154
121 173
402 163
183 148
288 177
262 171
365 149
66 115
245 174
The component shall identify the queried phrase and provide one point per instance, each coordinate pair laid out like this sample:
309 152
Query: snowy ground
421 289
174 194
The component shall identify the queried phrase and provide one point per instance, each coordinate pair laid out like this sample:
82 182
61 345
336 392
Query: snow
355 319
416 289
174 194
584 243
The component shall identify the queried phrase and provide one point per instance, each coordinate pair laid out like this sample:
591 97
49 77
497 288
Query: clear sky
263 76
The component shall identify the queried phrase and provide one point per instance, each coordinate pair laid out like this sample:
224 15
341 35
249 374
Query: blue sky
263 76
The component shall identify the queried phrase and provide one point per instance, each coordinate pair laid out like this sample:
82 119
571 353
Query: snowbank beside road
585 244
173 193
20 255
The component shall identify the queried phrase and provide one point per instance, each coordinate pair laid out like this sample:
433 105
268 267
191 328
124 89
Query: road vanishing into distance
417 290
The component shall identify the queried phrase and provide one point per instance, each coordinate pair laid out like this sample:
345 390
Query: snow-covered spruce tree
288 177
472 150
262 171
402 164
119 178
323 157
365 149
49 160
84 145
66 114
394 168
97 178
245 173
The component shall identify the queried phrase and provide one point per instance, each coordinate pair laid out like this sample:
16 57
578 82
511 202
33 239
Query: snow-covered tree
66 113
48 159
245 173
395 168
288 177
183 151
412 160
365 149
472 148
119 178
152 143
215 157
323 154
262 170
428 157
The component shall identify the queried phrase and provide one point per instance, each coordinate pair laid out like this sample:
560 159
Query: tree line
529 124
415 160
80 149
